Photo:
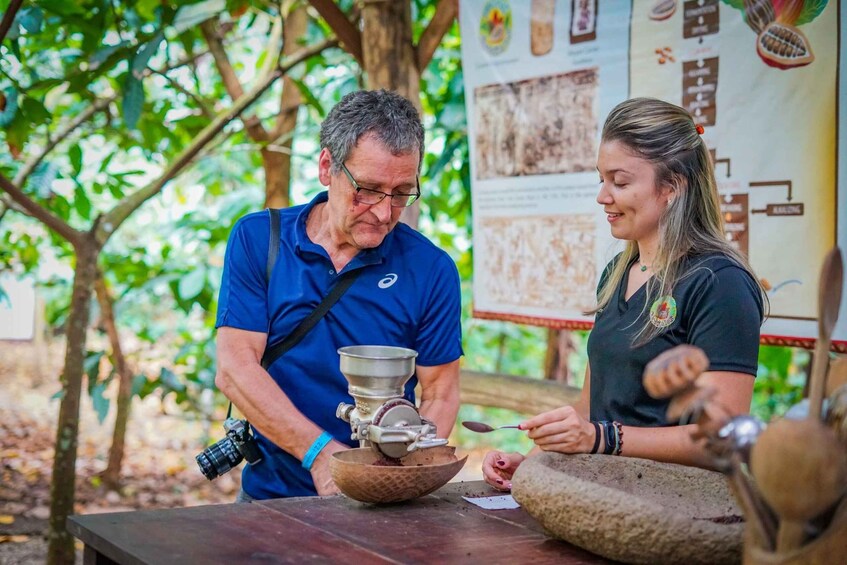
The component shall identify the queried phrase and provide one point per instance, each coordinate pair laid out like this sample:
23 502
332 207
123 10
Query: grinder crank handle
426 438
426 442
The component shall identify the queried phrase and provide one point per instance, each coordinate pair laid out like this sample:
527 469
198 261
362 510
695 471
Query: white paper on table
502 502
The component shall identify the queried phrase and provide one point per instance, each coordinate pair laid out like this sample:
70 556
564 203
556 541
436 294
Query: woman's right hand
498 468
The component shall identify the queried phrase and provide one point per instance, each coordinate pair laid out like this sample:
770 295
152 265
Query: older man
407 295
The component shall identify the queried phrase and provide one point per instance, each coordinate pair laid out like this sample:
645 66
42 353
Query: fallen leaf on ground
6 519
13 539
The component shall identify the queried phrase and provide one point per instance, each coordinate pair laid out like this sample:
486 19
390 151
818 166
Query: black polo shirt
716 306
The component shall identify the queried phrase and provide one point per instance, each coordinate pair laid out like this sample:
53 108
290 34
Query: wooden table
439 528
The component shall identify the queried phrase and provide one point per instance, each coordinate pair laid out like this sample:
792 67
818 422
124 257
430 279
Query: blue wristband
315 449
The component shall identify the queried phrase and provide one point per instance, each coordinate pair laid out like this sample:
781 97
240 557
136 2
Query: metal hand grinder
381 417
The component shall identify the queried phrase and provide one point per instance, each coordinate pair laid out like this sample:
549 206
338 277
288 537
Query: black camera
238 444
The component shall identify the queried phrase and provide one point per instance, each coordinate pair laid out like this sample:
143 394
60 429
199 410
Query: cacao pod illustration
784 46
779 41
758 14
789 11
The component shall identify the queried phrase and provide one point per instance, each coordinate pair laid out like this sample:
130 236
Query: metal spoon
732 446
481 428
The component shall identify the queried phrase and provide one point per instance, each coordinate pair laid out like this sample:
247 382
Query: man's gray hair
392 119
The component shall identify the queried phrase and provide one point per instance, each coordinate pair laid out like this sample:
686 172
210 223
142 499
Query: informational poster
762 77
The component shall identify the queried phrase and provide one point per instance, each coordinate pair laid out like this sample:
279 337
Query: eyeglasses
371 197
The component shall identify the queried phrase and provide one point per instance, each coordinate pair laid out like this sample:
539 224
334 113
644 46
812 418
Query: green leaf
100 402
811 10
133 100
138 382
105 163
195 14
192 284
101 55
81 203
170 381
43 177
75 155
61 7
91 366
31 19
35 111
308 97
445 157
10 95
147 8
139 62
737 4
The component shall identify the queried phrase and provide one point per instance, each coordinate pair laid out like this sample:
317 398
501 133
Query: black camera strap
279 348
345 281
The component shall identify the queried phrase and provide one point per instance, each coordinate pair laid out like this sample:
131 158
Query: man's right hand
320 469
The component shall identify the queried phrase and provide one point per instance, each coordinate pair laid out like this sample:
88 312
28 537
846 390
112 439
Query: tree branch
55 223
9 18
293 28
117 215
230 79
346 32
60 136
441 22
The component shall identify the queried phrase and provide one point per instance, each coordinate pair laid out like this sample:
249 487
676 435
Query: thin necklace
643 266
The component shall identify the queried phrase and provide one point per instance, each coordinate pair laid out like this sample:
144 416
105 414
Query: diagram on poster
535 127
539 262
760 76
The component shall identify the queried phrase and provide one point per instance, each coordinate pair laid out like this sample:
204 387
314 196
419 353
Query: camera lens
219 458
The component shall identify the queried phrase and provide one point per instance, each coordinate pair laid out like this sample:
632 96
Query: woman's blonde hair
692 223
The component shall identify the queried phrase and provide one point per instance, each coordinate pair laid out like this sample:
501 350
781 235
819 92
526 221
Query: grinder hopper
381 417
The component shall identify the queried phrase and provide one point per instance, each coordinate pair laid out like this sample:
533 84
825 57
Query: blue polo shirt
407 296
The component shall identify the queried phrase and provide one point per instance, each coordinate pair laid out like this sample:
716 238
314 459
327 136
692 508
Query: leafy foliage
780 380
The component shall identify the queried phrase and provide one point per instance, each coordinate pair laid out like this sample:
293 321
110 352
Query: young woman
678 281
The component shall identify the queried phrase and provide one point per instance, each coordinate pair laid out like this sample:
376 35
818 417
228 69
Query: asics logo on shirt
387 280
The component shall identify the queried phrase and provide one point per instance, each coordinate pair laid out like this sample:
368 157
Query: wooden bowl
422 472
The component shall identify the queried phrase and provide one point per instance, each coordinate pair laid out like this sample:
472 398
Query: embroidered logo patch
663 311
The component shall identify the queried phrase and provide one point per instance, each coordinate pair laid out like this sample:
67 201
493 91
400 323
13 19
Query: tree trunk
559 348
388 52
277 178
60 547
389 57
277 160
112 475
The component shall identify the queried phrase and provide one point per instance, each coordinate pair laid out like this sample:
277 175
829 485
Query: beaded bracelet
597 435
618 438
315 449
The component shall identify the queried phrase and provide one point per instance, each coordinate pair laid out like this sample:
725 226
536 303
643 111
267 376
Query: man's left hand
320 469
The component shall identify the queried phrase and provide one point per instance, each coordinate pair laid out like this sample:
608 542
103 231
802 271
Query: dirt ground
159 469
